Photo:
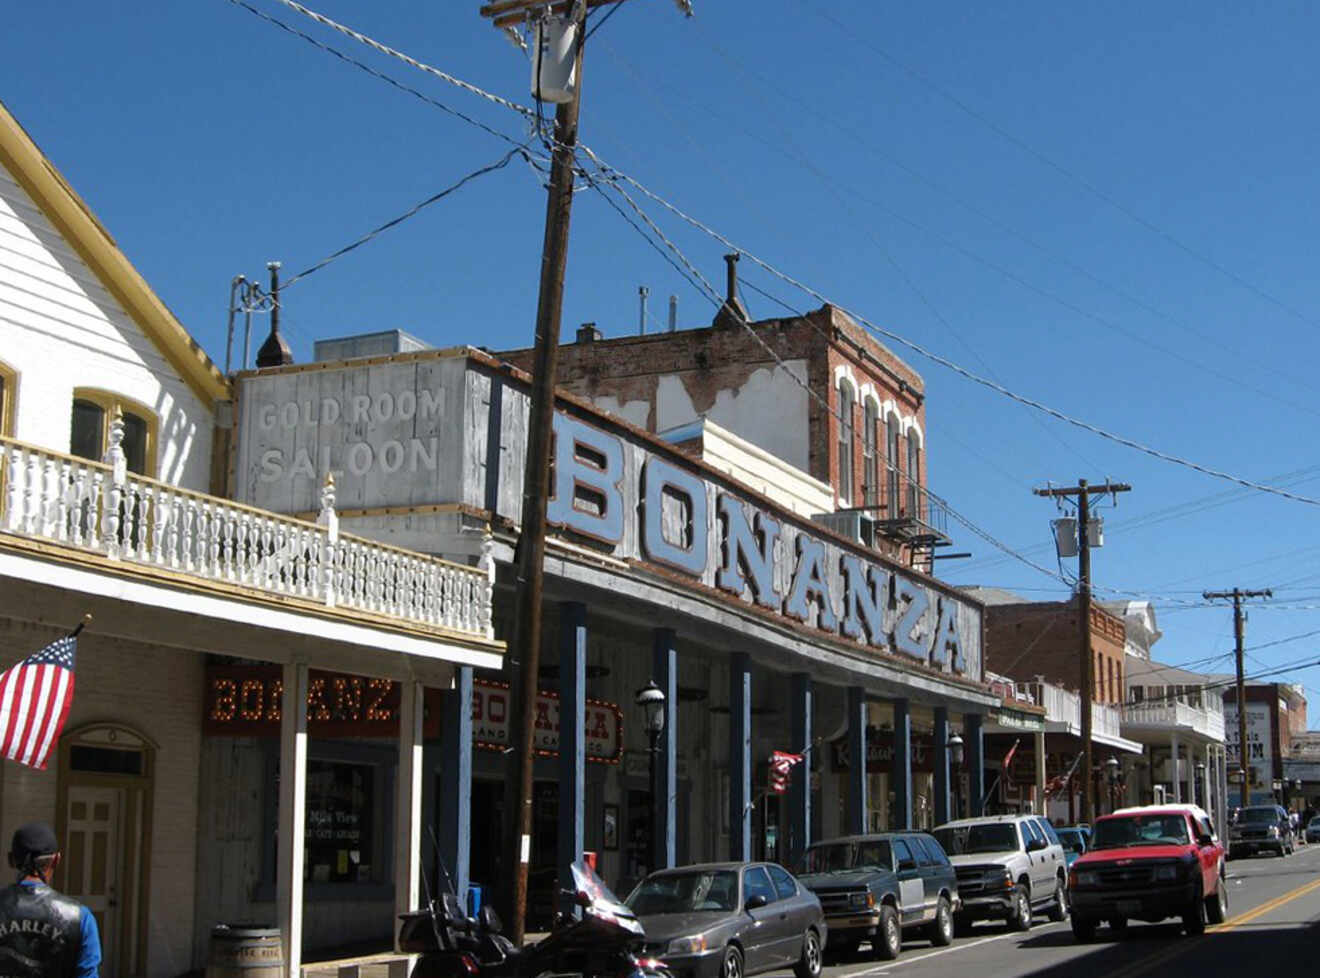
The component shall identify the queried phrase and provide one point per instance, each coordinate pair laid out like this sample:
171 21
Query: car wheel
1117 924
941 930
1216 905
1059 908
1083 928
1194 917
808 965
888 940
1020 918
733 963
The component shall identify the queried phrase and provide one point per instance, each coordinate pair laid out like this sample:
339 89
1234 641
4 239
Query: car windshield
961 840
838 856
1140 830
1071 838
1258 816
712 890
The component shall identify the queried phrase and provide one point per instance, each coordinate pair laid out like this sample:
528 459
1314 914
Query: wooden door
92 857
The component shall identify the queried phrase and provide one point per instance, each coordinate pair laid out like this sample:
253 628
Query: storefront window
341 798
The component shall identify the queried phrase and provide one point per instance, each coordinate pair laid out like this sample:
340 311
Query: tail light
469 964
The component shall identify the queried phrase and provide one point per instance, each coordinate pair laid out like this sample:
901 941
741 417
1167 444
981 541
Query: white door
91 862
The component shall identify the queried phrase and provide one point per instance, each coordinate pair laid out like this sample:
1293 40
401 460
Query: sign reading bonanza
490 723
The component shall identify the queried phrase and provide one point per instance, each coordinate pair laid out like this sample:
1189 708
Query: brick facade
1024 641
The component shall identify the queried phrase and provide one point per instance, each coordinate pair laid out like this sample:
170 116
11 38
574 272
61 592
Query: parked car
1008 866
1313 830
877 888
727 920
1261 828
1073 840
1149 864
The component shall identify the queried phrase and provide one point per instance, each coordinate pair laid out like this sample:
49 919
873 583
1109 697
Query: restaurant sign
492 724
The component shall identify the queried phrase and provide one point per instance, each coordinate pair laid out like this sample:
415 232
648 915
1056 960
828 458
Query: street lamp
1205 786
1111 774
955 747
651 698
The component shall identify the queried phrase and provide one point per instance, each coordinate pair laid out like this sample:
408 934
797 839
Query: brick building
816 391
1039 639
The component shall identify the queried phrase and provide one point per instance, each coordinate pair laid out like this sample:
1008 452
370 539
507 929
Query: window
845 441
919 850
892 465
1030 831
1048 829
914 474
341 799
936 851
870 459
8 393
93 412
785 886
757 883
903 855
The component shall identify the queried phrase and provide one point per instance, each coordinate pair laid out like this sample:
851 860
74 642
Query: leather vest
40 933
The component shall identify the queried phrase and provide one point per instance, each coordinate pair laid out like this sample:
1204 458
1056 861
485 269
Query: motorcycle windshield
604 904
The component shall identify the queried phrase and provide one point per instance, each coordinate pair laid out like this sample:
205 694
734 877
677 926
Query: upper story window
870 458
892 464
845 441
913 473
93 411
8 394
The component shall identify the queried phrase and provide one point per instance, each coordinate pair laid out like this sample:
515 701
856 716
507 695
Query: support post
857 802
740 757
1039 746
455 801
901 770
572 742
408 800
664 672
1174 773
799 786
941 760
292 824
974 749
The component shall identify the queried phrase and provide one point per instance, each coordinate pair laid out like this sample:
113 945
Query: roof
983 819
869 837
78 225
994 595
1165 809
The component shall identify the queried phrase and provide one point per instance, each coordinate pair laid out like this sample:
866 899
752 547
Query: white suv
1008 866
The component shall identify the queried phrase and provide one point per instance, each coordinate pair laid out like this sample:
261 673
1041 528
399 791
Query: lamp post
1111 775
651 698
955 748
1200 778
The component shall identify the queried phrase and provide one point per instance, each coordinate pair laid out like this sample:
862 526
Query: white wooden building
108 414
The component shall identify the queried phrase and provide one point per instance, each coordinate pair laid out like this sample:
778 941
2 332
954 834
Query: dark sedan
727 920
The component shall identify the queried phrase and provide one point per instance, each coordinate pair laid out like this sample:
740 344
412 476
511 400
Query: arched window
845 441
8 395
914 474
893 462
93 410
870 460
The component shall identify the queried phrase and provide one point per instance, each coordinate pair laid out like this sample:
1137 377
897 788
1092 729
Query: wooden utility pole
524 666
1083 492
1239 621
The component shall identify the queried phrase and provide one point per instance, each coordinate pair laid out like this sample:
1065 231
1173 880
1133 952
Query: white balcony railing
1174 715
102 509
1061 706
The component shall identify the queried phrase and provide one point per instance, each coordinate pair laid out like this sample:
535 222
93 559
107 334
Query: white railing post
13 485
328 519
115 458
486 565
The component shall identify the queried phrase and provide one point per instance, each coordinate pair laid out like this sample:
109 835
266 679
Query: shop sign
246 701
880 753
1260 744
492 724
1013 720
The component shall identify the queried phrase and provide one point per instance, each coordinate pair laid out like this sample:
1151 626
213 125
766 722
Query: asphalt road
1272 929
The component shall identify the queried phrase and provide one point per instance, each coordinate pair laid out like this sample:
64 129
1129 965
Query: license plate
1129 907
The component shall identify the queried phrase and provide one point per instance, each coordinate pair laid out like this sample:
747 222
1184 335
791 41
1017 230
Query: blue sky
1110 210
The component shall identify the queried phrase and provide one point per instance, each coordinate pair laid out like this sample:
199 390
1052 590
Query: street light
1111 774
651 698
1205 786
955 748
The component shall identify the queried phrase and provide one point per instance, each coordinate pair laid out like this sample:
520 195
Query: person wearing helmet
43 933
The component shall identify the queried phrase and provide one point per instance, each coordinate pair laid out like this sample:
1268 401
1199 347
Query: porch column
975 752
740 756
664 670
1173 767
941 761
572 740
856 760
292 823
455 802
1040 771
798 819
408 800
901 767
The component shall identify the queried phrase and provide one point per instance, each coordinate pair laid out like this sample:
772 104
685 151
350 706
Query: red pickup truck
1149 864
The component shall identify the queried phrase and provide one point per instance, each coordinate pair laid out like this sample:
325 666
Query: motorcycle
605 941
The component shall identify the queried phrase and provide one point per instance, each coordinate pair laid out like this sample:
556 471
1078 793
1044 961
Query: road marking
1265 908
918 958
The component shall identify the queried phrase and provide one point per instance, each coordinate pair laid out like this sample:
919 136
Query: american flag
35 696
781 766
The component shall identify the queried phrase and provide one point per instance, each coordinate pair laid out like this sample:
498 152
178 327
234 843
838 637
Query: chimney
275 351
588 333
673 313
733 312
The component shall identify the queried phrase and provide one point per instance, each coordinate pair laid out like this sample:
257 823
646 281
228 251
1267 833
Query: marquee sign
491 723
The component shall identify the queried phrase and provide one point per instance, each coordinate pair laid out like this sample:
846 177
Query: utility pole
1083 491
1239 629
507 15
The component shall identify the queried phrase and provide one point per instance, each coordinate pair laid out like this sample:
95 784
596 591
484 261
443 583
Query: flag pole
86 620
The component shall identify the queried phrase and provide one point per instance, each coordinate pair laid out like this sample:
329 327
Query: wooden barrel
245 951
